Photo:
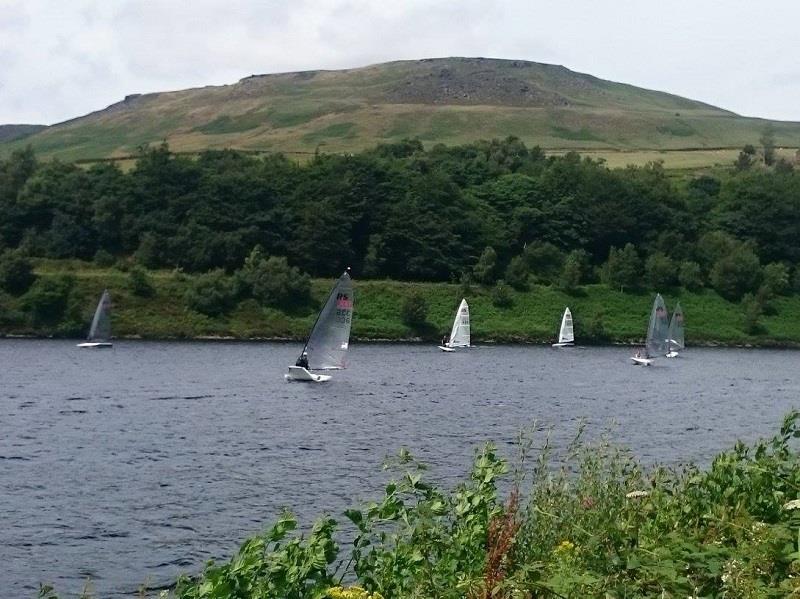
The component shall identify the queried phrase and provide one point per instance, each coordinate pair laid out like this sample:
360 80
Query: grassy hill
601 314
443 100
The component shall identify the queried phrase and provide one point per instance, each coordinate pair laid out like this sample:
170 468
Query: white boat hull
95 344
641 361
672 354
447 349
567 344
298 373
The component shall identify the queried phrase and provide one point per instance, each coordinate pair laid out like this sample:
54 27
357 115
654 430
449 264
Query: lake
130 465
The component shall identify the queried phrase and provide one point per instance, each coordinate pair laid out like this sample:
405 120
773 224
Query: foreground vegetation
598 525
166 305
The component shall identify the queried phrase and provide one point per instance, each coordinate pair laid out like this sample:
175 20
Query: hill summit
439 100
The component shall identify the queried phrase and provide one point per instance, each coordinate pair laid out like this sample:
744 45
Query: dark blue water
131 465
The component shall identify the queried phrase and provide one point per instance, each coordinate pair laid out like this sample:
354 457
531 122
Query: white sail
100 330
460 335
329 340
566 334
675 338
658 329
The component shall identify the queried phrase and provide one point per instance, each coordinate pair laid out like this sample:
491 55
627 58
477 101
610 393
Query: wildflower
352 593
564 547
792 505
637 494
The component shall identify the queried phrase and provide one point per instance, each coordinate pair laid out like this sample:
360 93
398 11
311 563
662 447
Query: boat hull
567 344
300 374
447 349
95 345
641 361
672 354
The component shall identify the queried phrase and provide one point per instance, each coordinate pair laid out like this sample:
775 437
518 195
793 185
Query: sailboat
459 334
100 331
329 340
657 331
675 338
566 336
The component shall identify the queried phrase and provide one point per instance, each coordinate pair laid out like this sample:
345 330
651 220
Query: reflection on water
134 464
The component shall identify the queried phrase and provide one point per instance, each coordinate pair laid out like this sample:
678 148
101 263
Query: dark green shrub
736 273
139 282
485 271
660 271
104 259
272 282
501 295
544 261
16 273
623 267
48 299
690 275
414 311
776 278
211 294
576 265
517 273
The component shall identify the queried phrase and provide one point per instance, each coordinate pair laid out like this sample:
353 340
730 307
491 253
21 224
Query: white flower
637 494
794 504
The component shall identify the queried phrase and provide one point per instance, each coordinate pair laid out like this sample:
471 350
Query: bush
48 299
140 283
272 282
16 273
104 259
414 311
517 273
211 294
752 309
776 278
485 271
501 295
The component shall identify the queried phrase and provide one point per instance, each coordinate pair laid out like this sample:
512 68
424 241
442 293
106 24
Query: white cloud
59 59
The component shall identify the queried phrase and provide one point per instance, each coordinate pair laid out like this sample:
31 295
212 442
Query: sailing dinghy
459 334
657 331
327 344
566 335
100 331
676 337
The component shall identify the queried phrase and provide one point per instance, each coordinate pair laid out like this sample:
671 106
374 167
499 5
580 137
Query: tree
16 272
576 264
623 267
745 159
544 260
659 271
485 271
48 299
736 273
767 140
414 311
690 275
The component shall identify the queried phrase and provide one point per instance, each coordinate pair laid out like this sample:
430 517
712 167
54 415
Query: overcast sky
63 58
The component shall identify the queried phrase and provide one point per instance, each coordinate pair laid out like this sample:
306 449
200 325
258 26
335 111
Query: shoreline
766 344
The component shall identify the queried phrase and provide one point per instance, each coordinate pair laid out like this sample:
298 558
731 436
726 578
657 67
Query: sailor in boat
444 339
302 361
638 353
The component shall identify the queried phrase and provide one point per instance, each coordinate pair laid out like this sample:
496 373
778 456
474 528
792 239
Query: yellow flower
352 593
565 547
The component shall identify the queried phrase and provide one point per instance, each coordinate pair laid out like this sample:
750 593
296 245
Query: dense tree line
488 211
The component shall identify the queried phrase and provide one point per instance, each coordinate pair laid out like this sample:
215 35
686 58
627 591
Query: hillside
15 132
447 100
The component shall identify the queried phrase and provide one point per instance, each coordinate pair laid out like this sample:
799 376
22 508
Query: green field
601 315
447 100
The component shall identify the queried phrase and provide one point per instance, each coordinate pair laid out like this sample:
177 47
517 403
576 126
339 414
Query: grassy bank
602 315
600 525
